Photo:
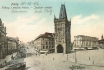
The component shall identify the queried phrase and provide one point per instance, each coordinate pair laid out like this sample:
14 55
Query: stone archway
59 49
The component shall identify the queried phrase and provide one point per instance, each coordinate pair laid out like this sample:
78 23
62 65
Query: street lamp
67 55
75 55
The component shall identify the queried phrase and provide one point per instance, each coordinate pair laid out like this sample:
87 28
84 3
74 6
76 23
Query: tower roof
102 37
63 13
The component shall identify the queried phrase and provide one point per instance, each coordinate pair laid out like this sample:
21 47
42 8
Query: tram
18 66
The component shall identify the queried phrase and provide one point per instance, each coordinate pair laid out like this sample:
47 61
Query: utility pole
67 55
75 55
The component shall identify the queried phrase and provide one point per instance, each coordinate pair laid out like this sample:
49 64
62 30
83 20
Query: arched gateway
59 49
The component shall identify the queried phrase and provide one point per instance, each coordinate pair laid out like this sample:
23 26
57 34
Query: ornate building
3 44
101 42
45 42
85 42
62 32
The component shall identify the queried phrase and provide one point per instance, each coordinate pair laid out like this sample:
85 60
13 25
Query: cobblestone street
62 62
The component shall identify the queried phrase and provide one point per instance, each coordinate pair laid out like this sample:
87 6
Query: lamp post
67 55
75 55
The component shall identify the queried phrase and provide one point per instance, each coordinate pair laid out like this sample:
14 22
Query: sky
37 17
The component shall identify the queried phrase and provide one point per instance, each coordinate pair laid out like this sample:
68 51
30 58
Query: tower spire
0 21
102 37
63 13
54 16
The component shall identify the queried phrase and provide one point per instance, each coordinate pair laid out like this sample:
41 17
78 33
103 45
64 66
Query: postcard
51 35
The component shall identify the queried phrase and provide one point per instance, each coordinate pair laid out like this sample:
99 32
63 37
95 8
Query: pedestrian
89 58
53 58
1 65
46 54
93 62
20 55
5 61
12 57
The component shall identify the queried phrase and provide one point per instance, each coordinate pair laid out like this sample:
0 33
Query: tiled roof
46 35
84 36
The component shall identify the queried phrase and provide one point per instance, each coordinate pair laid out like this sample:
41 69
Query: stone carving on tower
62 32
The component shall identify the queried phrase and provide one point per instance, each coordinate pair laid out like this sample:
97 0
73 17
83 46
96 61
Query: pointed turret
54 17
102 37
0 22
63 13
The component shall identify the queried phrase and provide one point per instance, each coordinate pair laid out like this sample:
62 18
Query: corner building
45 42
101 42
62 32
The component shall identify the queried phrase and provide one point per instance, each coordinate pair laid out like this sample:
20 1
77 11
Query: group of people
4 63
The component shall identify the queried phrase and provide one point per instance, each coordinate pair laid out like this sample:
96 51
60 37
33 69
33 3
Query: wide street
86 60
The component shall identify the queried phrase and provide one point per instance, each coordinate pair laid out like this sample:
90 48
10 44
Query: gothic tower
62 32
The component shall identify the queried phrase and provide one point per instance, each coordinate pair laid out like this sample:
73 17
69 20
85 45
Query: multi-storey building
101 42
85 42
12 44
45 42
62 32
3 44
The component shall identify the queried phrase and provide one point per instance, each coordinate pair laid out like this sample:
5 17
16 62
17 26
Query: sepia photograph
51 34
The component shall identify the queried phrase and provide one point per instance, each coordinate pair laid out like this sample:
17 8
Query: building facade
3 41
62 32
101 42
12 44
85 42
45 42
